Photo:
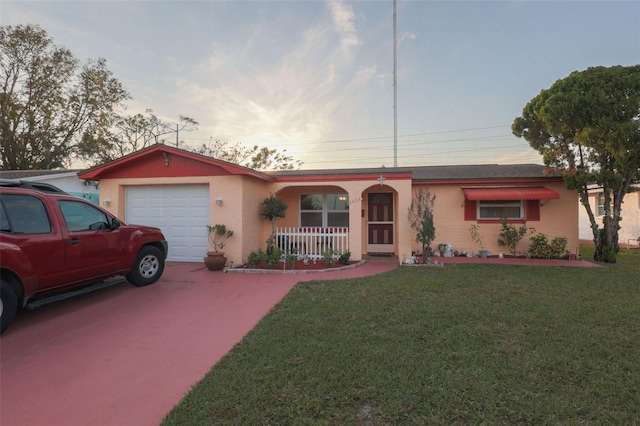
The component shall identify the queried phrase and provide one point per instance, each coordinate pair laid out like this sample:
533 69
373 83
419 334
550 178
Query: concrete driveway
126 355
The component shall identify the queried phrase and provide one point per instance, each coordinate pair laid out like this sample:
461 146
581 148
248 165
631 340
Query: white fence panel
313 242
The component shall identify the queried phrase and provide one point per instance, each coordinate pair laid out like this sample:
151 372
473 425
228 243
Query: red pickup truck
51 242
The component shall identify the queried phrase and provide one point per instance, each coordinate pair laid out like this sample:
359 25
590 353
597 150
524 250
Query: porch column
355 225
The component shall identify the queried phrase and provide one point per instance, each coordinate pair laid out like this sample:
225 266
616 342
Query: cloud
216 60
343 18
406 36
363 75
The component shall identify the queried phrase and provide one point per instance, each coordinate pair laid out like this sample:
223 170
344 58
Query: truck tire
8 305
147 268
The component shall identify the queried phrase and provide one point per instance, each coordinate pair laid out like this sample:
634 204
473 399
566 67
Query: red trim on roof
513 193
343 178
112 168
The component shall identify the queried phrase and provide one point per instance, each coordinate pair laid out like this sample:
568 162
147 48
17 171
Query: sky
315 78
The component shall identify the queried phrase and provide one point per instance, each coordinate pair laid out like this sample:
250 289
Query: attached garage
180 211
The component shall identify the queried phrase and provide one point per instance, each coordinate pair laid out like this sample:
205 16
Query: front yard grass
463 344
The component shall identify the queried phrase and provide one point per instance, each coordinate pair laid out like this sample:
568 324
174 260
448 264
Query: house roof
483 173
434 174
154 160
24 174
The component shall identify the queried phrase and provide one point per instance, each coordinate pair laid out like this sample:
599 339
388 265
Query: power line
303 142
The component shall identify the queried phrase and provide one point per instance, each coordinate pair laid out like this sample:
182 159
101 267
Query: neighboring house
629 232
67 180
360 210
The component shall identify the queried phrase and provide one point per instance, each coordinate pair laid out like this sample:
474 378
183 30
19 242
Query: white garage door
181 211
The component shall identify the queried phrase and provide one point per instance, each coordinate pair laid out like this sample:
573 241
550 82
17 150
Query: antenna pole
395 89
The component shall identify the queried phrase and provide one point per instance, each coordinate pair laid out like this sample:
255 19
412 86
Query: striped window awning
510 193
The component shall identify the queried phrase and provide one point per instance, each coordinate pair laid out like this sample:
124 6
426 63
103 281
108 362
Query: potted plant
218 236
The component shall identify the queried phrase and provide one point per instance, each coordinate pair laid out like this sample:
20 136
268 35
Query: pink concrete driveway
126 355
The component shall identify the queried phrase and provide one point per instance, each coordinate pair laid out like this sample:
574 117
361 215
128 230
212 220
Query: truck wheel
8 305
148 267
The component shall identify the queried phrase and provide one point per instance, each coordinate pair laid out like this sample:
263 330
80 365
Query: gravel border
231 270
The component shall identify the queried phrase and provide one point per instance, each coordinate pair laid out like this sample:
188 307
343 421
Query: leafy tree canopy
48 102
588 126
255 157
54 111
132 133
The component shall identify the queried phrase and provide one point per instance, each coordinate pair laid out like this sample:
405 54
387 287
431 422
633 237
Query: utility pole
177 133
395 89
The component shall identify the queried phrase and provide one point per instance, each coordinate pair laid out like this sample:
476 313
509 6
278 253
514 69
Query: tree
254 157
273 208
129 134
588 126
421 219
48 103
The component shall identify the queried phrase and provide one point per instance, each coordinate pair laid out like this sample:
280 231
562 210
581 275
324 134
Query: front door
380 223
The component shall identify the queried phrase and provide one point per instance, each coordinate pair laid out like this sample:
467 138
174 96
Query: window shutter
470 210
533 210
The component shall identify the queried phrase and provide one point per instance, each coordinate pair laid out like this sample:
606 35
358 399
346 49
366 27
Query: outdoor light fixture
166 159
106 202
219 201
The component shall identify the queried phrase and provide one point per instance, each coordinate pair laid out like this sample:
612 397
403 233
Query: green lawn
463 344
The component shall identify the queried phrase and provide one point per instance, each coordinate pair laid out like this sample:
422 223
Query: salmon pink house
364 211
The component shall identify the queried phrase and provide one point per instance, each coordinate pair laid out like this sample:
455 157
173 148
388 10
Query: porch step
381 257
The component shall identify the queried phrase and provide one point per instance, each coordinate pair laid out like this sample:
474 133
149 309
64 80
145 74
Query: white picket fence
313 242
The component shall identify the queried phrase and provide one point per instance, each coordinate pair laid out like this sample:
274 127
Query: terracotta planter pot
215 261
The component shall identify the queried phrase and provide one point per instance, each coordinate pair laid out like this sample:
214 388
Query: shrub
274 257
257 257
421 219
327 257
291 257
271 259
510 236
345 258
558 248
541 248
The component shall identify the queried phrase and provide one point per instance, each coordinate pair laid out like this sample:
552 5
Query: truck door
92 248
27 225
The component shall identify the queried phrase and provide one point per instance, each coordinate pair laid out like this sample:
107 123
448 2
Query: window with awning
511 203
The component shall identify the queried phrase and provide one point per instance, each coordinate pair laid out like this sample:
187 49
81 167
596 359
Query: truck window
24 214
80 216
4 221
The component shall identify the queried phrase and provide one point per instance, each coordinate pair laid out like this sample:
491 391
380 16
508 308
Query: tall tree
588 126
254 157
131 133
48 102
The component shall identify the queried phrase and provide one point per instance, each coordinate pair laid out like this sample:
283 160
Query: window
600 206
4 221
324 210
24 214
500 210
497 210
80 216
